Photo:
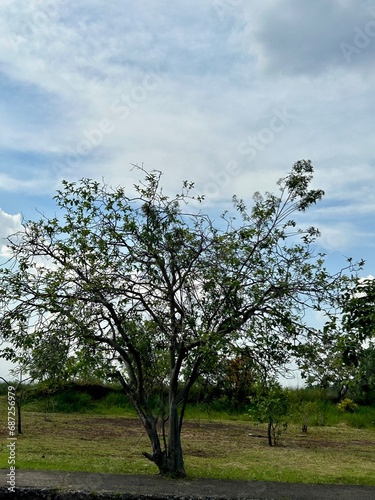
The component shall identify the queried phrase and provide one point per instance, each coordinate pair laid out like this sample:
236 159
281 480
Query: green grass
363 417
215 445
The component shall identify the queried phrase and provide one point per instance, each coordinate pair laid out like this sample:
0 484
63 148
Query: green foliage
352 357
316 407
308 406
347 405
363 417
151 292
307 411
72 402
359 309
4 388
77 397
346 354
307 394
231 383
115 399
61 399
271 405
312 403
363 386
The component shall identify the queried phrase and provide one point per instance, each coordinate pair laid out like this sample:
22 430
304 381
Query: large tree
346 355
358 307
153 293
358 351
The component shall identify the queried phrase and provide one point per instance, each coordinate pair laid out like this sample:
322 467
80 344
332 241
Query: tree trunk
19 421
170 459
158 455
269 433
170 462
175 457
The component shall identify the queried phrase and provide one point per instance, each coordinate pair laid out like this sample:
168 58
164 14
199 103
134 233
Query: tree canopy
359 309
345 357
358 353
151 291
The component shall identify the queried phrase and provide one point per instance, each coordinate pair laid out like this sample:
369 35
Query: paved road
40 484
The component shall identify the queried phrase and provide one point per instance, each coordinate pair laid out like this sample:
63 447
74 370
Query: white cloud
338 237
223 69
9 224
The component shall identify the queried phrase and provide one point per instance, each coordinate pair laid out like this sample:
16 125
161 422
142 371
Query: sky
225 93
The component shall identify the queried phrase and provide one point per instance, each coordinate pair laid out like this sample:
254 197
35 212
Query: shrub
117 399
271 405
347 405
69 402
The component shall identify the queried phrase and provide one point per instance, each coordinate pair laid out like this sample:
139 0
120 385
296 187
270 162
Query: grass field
214 448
